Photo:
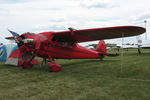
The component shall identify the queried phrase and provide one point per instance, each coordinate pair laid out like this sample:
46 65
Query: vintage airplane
64 45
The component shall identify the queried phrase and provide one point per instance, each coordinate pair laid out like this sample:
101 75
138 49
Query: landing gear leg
101 57
28 64
53 67
43 62
139 51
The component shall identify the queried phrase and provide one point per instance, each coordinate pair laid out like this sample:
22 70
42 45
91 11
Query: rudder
101 47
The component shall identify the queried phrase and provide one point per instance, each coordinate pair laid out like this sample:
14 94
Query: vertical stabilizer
101 47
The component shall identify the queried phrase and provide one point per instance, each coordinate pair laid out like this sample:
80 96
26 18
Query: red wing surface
85 35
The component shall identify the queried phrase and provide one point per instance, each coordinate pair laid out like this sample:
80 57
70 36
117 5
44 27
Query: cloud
13 1
140 18
144 16
56 15
95 3
4 12
56 24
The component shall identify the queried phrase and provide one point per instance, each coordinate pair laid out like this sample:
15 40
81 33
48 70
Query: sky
58 15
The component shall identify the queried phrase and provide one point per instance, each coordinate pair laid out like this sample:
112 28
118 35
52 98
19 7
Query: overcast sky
58 15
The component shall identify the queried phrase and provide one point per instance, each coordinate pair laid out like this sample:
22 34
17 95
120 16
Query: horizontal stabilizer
112 55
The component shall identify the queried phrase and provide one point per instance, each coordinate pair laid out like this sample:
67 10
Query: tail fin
101 47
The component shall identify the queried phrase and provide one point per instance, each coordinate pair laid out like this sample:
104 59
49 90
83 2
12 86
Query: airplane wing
145 46
84 35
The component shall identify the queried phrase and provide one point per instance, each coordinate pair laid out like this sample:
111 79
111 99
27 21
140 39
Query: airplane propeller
16 37
13 33
19 39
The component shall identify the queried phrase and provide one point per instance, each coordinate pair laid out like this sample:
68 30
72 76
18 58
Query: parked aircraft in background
137 45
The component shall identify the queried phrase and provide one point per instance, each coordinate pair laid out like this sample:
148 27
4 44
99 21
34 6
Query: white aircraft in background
137 45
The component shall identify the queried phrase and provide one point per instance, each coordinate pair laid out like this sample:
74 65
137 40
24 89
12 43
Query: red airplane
64 45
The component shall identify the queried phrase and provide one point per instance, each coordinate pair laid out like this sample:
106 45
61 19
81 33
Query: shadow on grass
142 54
136 54
69 65
89 61
75 68
35 68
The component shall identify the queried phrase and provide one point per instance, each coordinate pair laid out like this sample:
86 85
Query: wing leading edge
84 35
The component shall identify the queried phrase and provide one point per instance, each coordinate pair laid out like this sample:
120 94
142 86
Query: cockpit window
62 43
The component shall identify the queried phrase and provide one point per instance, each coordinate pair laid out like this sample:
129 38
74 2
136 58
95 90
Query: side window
60 43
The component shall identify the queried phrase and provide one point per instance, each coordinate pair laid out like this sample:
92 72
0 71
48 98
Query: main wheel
54 67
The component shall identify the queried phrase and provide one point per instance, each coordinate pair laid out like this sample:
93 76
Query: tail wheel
101 56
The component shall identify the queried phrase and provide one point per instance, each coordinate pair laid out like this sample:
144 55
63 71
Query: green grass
80 79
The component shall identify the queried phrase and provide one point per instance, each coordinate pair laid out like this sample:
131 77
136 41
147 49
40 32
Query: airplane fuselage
44 46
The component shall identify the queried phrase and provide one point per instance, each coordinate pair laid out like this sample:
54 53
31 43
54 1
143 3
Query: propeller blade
16 37
13 33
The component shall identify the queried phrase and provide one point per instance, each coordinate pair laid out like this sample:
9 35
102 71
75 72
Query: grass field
82 79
